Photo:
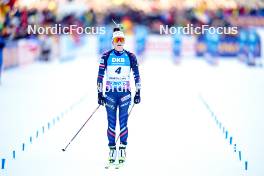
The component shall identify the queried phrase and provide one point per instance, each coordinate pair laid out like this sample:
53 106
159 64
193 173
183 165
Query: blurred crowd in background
140 19
14 20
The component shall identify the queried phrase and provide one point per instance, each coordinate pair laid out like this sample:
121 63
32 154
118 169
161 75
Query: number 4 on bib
118 71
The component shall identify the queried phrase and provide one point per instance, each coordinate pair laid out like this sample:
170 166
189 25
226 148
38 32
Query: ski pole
64 149
127 117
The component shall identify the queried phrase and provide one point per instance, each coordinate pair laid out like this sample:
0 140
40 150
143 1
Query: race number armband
138 86
100 87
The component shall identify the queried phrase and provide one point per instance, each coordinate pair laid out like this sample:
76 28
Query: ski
110 163
120 164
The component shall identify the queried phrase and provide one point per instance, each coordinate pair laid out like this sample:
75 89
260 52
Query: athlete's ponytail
116 29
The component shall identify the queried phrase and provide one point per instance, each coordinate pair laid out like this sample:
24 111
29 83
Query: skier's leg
111 107
124 103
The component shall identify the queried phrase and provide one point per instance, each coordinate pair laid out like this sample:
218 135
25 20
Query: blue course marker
30 139
43 129
37 133
246 165
14 154
58 118
23 147
225 132
3 163
48 125
54 121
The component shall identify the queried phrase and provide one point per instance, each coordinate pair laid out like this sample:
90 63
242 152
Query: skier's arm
101 73
100 78
134 66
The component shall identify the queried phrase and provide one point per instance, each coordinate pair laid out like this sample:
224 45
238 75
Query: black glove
137 97
101 99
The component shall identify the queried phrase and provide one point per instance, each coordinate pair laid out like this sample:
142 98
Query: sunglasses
119 39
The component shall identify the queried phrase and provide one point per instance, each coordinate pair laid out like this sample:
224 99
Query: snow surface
171 132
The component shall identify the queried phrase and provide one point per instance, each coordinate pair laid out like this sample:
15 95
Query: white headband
118 34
